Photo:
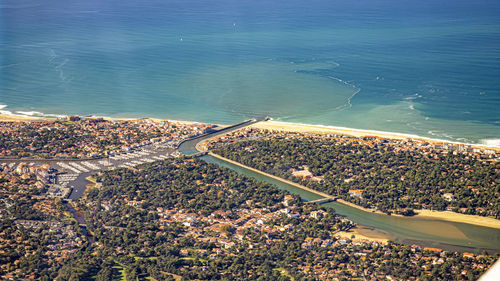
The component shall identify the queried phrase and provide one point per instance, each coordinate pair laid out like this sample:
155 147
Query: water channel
408 230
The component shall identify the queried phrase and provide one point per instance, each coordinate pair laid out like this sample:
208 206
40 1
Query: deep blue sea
427 67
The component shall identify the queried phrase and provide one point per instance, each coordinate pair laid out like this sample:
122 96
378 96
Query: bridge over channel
322 200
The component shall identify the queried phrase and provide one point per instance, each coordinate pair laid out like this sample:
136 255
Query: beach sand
319 129
457 217
363 233
19 118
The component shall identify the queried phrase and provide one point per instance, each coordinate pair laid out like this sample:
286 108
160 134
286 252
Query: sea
429 67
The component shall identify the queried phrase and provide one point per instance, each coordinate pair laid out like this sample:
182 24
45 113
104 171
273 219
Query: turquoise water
429 68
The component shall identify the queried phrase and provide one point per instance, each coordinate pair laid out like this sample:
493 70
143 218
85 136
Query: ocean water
428 68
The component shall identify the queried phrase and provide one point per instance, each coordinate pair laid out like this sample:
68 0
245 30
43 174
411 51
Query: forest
388 179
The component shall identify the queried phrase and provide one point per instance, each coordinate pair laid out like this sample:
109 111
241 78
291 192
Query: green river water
423 231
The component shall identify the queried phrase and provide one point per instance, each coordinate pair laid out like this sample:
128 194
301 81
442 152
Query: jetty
189 146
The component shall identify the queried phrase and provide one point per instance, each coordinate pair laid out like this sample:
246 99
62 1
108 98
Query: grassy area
140 258
284 272
203 261
119 272
91 179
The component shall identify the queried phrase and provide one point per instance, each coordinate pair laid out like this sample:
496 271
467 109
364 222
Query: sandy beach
457 217
319 129
439 215
363 233
20 118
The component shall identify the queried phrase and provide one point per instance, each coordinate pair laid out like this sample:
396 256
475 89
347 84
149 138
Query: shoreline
325 129
318 129
273 125
364 233
438 215
21 118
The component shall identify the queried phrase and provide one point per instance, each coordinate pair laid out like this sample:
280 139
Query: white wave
412 107
491 142
432 133
4 112
39 114
29 113
342 81
62 64
9 65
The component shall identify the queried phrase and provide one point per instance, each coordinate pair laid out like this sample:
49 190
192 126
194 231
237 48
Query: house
356 192
469 255
304 174
449 197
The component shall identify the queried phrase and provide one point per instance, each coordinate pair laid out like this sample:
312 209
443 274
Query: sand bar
363 234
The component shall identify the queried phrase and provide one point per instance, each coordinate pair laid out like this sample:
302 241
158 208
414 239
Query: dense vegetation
391 180
130 239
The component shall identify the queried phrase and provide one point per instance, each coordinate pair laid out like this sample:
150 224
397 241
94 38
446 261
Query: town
147 213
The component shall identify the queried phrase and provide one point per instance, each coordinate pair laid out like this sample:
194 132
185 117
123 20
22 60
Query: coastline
282 126
318 129
323 129
22 118
272 125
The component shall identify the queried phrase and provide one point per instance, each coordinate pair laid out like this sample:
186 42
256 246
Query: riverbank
457 217
363 234
438 215
322 194
359 133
